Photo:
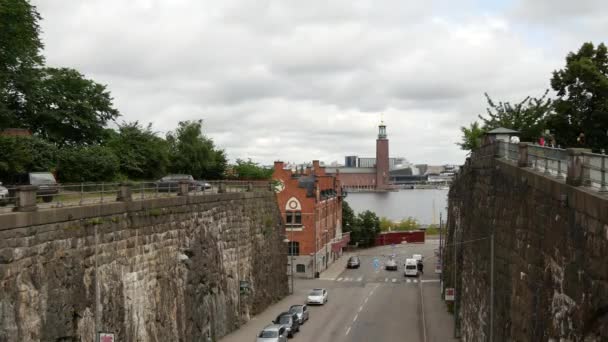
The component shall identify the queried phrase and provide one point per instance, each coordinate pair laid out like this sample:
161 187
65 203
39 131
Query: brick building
311 204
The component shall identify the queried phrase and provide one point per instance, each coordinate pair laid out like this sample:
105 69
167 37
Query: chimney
315 166
279 165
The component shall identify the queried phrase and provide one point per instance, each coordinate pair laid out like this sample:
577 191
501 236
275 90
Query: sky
299 80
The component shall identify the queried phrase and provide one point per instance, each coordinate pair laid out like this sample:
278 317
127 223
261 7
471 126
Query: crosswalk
385 280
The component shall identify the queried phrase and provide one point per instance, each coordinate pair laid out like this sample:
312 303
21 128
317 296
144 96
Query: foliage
20 57
69 109
471 136
582 104
365 229
24 154
250 170
348 217
87 164
408 223
193 153
142 154
528 116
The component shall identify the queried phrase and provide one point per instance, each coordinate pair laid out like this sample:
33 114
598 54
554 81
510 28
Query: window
293 248
293 218
300 268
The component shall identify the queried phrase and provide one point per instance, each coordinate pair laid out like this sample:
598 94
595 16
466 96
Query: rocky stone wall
154 270
551 255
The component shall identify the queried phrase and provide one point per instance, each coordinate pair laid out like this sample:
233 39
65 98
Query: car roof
293 306
318 289
273 327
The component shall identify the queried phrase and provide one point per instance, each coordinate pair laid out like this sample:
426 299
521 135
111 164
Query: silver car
273 333
301 311
317 296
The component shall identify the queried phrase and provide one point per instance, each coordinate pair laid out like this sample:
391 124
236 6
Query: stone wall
166 269
551 255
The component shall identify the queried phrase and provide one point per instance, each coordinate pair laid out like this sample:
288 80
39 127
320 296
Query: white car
411 268
317 296
3 195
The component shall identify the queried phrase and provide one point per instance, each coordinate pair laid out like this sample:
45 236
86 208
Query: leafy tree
69 109
528 116
142 154
582 104
386 224
250 170
20 58
87 164
409 223
348 217
24 154
193 153
366 228
471 136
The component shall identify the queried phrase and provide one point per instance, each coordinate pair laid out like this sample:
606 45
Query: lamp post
326 235
290 249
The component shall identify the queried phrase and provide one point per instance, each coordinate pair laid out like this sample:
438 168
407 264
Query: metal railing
595 167
549 160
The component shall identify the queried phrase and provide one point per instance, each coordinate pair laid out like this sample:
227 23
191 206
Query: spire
382 130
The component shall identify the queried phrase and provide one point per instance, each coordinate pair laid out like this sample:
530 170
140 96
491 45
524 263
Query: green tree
528 116
87 164
471 136
348 217
386 224
366 228
409 223
69 109
193 153
582 103
24 154
20 59
250 170
142 154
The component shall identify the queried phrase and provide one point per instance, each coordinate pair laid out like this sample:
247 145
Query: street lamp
290 249
326 231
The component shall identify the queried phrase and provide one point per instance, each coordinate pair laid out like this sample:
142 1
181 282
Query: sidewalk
334 270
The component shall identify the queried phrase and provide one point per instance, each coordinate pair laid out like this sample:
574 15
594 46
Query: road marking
415 280
423 317
339 279
429 280
347 330
356 316
409 280
385 280
360 308
394 280
360 279
366 299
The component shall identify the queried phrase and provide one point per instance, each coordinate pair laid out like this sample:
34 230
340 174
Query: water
417 203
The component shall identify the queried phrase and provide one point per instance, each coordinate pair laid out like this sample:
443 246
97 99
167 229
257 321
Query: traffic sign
450 293
376 263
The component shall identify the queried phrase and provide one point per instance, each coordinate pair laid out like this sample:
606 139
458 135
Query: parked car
170 183
411 268
289 321
418 258
45 181
301 311
273 333
390 265
3 195
353 262
317 296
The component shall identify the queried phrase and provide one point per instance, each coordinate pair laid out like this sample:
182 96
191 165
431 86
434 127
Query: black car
45 181
353 262
290 321
170 183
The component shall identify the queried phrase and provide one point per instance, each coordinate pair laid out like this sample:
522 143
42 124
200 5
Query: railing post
547 165
124 193
576 169
221 188
183 188
249 187
559 169
26 198
603 171
523 155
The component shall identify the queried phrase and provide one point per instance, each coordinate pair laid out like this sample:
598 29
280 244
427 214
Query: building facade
310 201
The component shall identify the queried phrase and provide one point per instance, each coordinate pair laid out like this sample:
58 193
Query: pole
238 273
492 288
456 295
292 251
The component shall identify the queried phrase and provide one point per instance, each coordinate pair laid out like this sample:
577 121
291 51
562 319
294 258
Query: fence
578 166
29 198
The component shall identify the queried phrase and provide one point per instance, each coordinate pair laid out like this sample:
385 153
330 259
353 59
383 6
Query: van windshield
410 267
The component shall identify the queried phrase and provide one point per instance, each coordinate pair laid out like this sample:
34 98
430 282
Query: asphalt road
369 304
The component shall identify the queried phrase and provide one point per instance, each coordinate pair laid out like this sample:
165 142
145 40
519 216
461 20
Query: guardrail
579 167
30 198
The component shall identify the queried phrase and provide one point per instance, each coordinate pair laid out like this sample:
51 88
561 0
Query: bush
87 164
21 154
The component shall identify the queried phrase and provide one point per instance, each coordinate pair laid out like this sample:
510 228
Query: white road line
360 308
339 279
347 330
409 280
366 299
360 279
356 316
394 280
423 317
386 280
429 280
415 280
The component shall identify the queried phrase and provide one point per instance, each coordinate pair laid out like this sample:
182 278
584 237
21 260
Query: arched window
293 248
293 213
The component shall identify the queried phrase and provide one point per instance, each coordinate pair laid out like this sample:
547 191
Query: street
368 304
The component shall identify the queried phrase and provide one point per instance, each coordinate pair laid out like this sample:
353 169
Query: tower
382 170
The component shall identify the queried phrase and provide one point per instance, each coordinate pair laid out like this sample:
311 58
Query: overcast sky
300 80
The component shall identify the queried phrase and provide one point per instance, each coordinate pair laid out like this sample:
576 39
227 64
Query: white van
411 268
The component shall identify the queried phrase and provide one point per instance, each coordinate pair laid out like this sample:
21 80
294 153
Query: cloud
298 81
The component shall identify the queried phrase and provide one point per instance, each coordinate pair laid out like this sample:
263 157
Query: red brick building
311 204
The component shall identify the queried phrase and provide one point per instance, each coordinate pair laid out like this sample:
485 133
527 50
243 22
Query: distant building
350 161
311 206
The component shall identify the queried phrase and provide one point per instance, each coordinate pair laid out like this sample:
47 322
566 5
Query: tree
20 58
582 103
25 154
471 136
528 116
250 170
409 223
348 217
365 229
69 109
193 153
142 154
87 164
386 224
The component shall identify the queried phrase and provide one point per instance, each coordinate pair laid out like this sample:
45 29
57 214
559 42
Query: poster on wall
450 293
105 337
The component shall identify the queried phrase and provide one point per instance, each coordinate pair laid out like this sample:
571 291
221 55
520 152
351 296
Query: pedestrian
541 141
553 143
581 139
420 267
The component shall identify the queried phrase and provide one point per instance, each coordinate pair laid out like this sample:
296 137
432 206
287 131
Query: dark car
170 183
45 181
353 262
289 321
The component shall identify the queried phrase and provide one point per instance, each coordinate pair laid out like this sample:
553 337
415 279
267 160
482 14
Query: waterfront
397 205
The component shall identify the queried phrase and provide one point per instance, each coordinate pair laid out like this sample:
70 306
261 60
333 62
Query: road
366 304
